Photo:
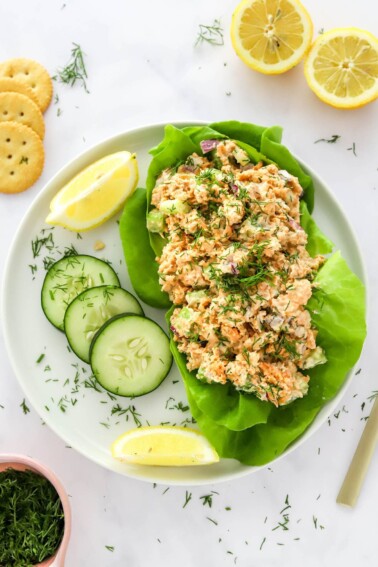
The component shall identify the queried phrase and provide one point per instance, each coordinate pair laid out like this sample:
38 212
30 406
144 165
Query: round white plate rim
244 469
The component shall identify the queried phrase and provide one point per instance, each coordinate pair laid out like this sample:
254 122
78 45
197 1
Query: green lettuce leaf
140 258
317 242
255 432
271 146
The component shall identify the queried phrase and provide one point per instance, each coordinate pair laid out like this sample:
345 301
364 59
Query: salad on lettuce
264 326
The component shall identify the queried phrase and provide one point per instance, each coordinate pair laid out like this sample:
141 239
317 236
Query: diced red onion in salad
234 188
208 145
234 268
295 225
190 168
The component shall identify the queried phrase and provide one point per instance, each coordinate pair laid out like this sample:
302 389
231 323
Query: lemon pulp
96 193
271 36
342 67
164 446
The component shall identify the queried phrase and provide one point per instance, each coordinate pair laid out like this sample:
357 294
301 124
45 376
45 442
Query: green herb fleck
109 547
188 497
207 499
332 140
373 395
40 358
211 34
353 149
24 407
75 70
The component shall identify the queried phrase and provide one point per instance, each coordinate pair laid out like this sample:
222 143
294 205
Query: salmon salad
236 267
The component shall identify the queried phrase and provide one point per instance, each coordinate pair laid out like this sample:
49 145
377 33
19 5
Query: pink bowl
20 463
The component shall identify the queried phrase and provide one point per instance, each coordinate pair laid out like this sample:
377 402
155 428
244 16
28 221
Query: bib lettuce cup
238 424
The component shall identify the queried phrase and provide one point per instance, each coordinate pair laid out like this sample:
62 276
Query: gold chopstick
355 476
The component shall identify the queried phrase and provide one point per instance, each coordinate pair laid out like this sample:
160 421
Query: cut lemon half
164 446
342 67
96 193
271 36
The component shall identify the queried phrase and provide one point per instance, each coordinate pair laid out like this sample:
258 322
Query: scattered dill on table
353 149
75 70
332 140
24 407
188 497
211 34
31 518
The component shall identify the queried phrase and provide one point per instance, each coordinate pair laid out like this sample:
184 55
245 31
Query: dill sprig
75 70
331 140
211 34
31 518
24 407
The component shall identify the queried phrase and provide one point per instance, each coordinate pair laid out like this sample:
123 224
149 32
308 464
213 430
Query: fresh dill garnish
31 518
332 140
211 34
188 497
109 547
70 251
352 149
24 407
207 499
48 261
129 411
38 243
373 395
211 520
75 70
181 407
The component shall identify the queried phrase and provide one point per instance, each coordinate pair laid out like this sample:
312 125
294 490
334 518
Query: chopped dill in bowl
31 518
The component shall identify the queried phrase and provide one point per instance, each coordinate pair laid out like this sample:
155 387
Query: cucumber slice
90 310
130 355
67 278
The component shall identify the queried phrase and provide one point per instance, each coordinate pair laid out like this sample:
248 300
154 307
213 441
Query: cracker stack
25 92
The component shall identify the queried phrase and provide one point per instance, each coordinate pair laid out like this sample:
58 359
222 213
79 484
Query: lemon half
342 67
164 446
96 193
271 36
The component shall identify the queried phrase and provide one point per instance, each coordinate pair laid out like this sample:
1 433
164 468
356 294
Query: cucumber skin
95 335
61 329
121 316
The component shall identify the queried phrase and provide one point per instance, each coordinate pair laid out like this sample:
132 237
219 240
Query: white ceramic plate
57 386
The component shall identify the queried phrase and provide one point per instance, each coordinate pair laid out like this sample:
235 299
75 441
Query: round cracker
21 157
13 86
31 73
16 107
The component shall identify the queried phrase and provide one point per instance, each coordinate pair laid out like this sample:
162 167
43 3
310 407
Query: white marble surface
142 68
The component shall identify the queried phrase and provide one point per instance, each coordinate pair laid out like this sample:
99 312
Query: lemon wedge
271 36
96 193
342 67
164 446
